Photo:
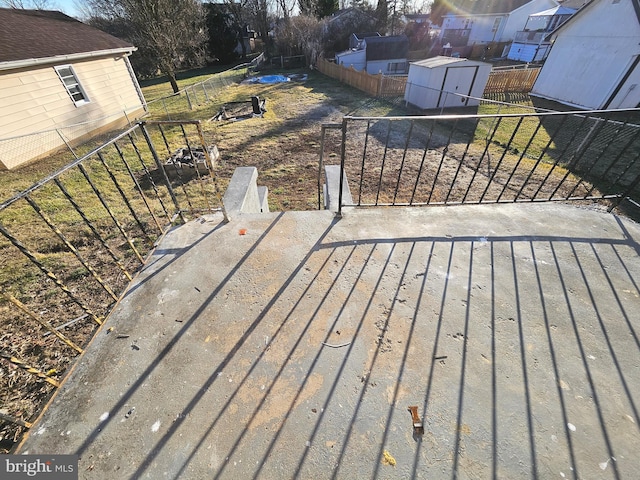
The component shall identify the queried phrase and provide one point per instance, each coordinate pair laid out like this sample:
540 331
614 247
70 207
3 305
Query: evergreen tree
325 8
223 34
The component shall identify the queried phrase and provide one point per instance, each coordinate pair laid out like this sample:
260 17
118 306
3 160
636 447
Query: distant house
472 22
595 57
350 16
532 43
60 76
248 44
377 54
337 28
417 18
356 39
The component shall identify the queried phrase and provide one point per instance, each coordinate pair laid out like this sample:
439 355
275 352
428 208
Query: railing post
323 131
156 158
165 109
214 177
66 143
343 150
195 95
188 99
205 92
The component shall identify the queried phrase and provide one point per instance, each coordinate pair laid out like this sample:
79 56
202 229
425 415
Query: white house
63 78
532 44
443 82
472 22
595 57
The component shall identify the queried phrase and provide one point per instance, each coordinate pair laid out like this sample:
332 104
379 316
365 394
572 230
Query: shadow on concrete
520 350
523 361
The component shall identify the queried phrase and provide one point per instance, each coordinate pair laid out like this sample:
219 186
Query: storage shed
444 82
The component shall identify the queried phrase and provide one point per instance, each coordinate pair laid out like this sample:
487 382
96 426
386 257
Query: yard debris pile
242 110
190 157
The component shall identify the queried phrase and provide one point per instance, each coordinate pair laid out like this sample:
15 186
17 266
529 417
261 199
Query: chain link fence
20 149
199 94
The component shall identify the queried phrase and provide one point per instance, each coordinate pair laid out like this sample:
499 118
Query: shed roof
361 36
383 48
40 34
442 61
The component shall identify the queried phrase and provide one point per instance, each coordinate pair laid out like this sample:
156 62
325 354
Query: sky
66 6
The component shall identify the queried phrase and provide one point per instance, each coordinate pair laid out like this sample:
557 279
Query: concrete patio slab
290 345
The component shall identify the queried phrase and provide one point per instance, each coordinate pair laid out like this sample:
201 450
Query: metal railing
533 37
71 243
473 159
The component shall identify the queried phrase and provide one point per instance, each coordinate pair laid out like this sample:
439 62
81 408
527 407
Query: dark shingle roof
27 34
461 7
385 48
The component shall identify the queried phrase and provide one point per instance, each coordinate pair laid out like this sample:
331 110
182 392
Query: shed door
457 80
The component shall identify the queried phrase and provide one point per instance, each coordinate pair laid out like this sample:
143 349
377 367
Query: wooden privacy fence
500 81
511 81
375 85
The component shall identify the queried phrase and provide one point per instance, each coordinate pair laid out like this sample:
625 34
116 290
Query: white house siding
36 100
482 31
522 52
482 25
517 19
357 59
527 52
376 66
591 55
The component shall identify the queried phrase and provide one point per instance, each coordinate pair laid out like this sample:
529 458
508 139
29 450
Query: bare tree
302 35
260 10
173 31
286 7
28 4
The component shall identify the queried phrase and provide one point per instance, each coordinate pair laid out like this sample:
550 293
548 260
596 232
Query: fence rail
71 243
460 159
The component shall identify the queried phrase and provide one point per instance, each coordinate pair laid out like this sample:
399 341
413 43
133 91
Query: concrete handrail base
332 188
243 194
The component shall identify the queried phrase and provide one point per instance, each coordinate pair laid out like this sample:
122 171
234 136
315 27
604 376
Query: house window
72 84
397 67
496 24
